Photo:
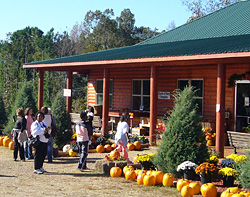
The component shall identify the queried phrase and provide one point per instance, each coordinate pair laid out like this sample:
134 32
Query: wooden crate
138 131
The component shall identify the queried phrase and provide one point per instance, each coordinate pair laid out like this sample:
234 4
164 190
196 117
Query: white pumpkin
66 148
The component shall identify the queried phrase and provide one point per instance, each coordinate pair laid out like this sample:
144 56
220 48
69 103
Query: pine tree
3 116
243 168
183 139
23 100
63 123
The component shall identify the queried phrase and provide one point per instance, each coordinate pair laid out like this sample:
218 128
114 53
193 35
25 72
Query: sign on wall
164 95
67 92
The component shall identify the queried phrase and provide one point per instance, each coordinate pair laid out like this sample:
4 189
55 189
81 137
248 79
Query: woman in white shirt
39 128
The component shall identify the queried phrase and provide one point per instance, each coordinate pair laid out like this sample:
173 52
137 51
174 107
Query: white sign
217 107
67 92
164 95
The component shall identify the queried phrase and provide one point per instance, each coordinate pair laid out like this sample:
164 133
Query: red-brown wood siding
167 82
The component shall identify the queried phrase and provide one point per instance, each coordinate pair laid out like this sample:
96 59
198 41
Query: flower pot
189 174
228 181
147 165
205 179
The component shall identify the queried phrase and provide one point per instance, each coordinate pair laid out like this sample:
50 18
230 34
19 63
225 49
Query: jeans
40 154
50 149
83 150
28 151
18 147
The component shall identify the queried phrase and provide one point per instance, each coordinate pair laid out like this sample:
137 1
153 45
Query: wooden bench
238 140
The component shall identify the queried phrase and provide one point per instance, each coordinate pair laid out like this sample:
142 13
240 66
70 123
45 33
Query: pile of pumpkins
7 142
108 148
235 192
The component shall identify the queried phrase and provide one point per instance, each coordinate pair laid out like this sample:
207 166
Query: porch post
153 105
105 107
220 109
40 89
69 86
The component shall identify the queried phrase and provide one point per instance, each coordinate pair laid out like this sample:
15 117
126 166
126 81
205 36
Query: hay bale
103 166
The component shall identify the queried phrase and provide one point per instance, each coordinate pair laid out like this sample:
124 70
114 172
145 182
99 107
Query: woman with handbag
39 128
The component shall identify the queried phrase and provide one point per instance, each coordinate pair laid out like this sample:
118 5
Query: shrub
183 139
243 168
63 123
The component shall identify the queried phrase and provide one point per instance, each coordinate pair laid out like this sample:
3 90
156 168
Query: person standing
18 131
30 120
39 128
121 136
83 131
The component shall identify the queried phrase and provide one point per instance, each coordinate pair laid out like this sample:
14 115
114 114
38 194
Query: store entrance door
242 106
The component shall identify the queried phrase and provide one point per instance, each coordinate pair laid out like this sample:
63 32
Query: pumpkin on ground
234 189
130 175
113 146
66 148
137 145
158 176
196 187
180 183
114 154
238 195
210 142
208 190
100 148
140 177
135 158
126 168
6 141
186 191
226 194
149 180
130 146
1 141
115 172
168 180
72 153
107 148
11 145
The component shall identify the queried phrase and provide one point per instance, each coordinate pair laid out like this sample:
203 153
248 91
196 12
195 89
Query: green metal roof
180 48
230 21
224 31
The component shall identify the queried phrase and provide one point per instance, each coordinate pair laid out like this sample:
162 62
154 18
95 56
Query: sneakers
38 171
42 169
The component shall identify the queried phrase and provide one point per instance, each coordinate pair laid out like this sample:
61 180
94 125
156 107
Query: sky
62 15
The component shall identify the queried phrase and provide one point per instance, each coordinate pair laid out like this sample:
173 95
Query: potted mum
188 169
227 163
228 176
213 159
146 161
205 171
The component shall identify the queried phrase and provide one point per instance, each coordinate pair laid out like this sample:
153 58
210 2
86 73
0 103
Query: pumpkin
180 183
208 190
158 176
11 145
135 158
149 172
6 141
115 172
196 187
72 153
246 194
1 141
234 189
130 175
140 177
137 145
113 146
93 140
130 146
238 195
137 172
149 180
210 143
66 148
114 154
186 191
100 148
168 180
107 148
97 134
226 194
126 168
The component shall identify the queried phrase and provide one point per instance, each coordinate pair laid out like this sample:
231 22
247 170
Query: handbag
33 141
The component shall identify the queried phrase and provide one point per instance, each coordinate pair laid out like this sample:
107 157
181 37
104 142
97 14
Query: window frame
141 95
190 84
110 94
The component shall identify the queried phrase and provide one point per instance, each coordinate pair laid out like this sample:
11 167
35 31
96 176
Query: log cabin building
211 53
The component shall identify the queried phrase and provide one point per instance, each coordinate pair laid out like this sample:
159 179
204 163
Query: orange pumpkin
208 190
11 145
210 143
158 176
115 172
149 180
1 141
180 183
114 154
246 194
238 195
226 194
140 177
135 158
100 148
126 168
6 141
168 180
137 145
196 188
130 146
113 146
233 189
130 175
186 191
107 148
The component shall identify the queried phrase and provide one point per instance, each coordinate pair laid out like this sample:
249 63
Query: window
198 85
141 95
99 92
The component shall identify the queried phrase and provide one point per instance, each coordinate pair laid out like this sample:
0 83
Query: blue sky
63 14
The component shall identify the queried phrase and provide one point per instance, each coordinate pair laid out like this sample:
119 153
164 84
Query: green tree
3 115
23 100
183 139
63 122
